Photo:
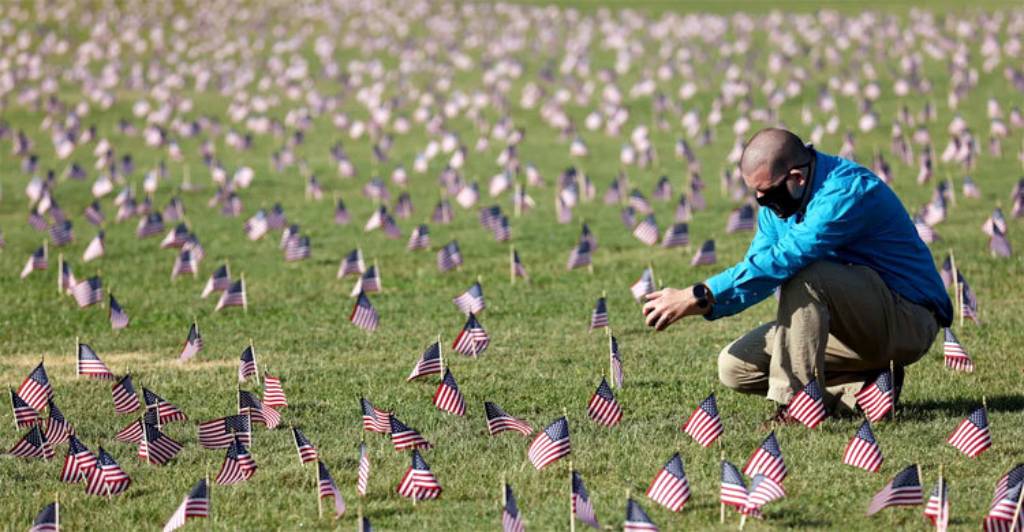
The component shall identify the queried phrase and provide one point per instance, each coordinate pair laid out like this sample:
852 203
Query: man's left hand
666 306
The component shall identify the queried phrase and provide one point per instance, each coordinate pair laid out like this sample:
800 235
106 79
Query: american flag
327 488
219 433
448 397
579 257
151 225
472 339
36 220
683 211
247 363
733 491
662 189
195 505
614 193
363 476
741 219
955 355
57 427
374 420
419 238
313 188
88 292
126 400
808 406
273 393
238 464
429 362
61 233
998 244
307 451
376 219
499 421
550 444
77 462
489 216
277 219
175 238
637 519
443 212
94 213
194 247
904 490
341 215
156 447
419 482
289 235
876 398
36 389
615 361
298 249
643 286
449 256
647 231
363 314
639 202
352 264
248 403
468 196
582 508
970 189
936 509
166 411
96 247
676 235
863 450
767 460
33 445
602 407
1004 510
511 521
670 488
705 255
175 209
89 364
705 425
763 490
107 478
972 436
599 317
391 229
24 415
518 270
220 280
586 235
368 282
36 261
996 221
234 296
185 263
65 278
256 227
118 318
193 343
472 300
404 437
47 519
968 301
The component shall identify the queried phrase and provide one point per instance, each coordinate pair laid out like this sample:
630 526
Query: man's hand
666 306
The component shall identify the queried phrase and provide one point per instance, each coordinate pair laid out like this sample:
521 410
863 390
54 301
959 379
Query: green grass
541 360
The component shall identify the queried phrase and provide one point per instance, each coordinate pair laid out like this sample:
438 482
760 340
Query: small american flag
602 407
643 286
763 490
374 420
234 296
683 212
94 213
876 398
193 343
676 235
107 478
443 212
238 464
968 301
1005 508
307 451
36 389
273 393
33 445
219 433
448 397
733 491
118 318
628 216
77 462
579 257
518 270
429 362
47 519
662 189
166 411
511 521
327 488
639 202
670 488
24 415
449 256
419 482
352 264
808 406
705 425
247 363
194 247
248 403
582 508
599 317
472 339
936 509
363 314
863 450
1013 478
132 432
767 460
363 476
88 292
297 249
647 231
57 427
998 244
126 400
289 235
368 282
65 278
96 247
156 447
185 263
341 215
499 421
741 219
615 361
90 365
637 519
586 235
36 261
151 225
61 233
404 437
705 255
36 220
904 490
176 237
972 436
195 505
277 219
419 238
472 300
955 355
550 444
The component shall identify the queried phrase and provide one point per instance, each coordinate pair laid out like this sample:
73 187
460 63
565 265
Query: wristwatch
701 293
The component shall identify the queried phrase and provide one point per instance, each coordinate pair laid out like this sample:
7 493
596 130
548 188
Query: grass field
541 359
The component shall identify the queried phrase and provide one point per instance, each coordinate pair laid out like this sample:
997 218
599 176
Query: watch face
700 291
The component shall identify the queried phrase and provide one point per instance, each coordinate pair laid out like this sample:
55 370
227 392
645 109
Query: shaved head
770 153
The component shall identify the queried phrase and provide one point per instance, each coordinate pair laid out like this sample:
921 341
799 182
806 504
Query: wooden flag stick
56 509
1014 527
572 516
504 499
316 489
78 342
13 418
60 274
984 404
209 492
255 363
359 517
892 375
440 354
245 297
721 509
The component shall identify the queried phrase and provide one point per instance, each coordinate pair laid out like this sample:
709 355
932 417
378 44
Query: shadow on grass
927 410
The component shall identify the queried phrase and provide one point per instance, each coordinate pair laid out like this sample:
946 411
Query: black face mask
780 201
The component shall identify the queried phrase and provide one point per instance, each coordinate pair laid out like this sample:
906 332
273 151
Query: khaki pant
840 322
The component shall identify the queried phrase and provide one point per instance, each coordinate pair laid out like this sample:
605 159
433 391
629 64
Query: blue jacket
852 217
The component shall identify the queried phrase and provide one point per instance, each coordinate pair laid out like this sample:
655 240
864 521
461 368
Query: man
858 289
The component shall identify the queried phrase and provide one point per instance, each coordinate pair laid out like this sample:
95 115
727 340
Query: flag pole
892 375
13 418
245 302
316 488
572 506
1014 527
56 509
60 274
255 364
78 342
721 509
440 354
359 517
